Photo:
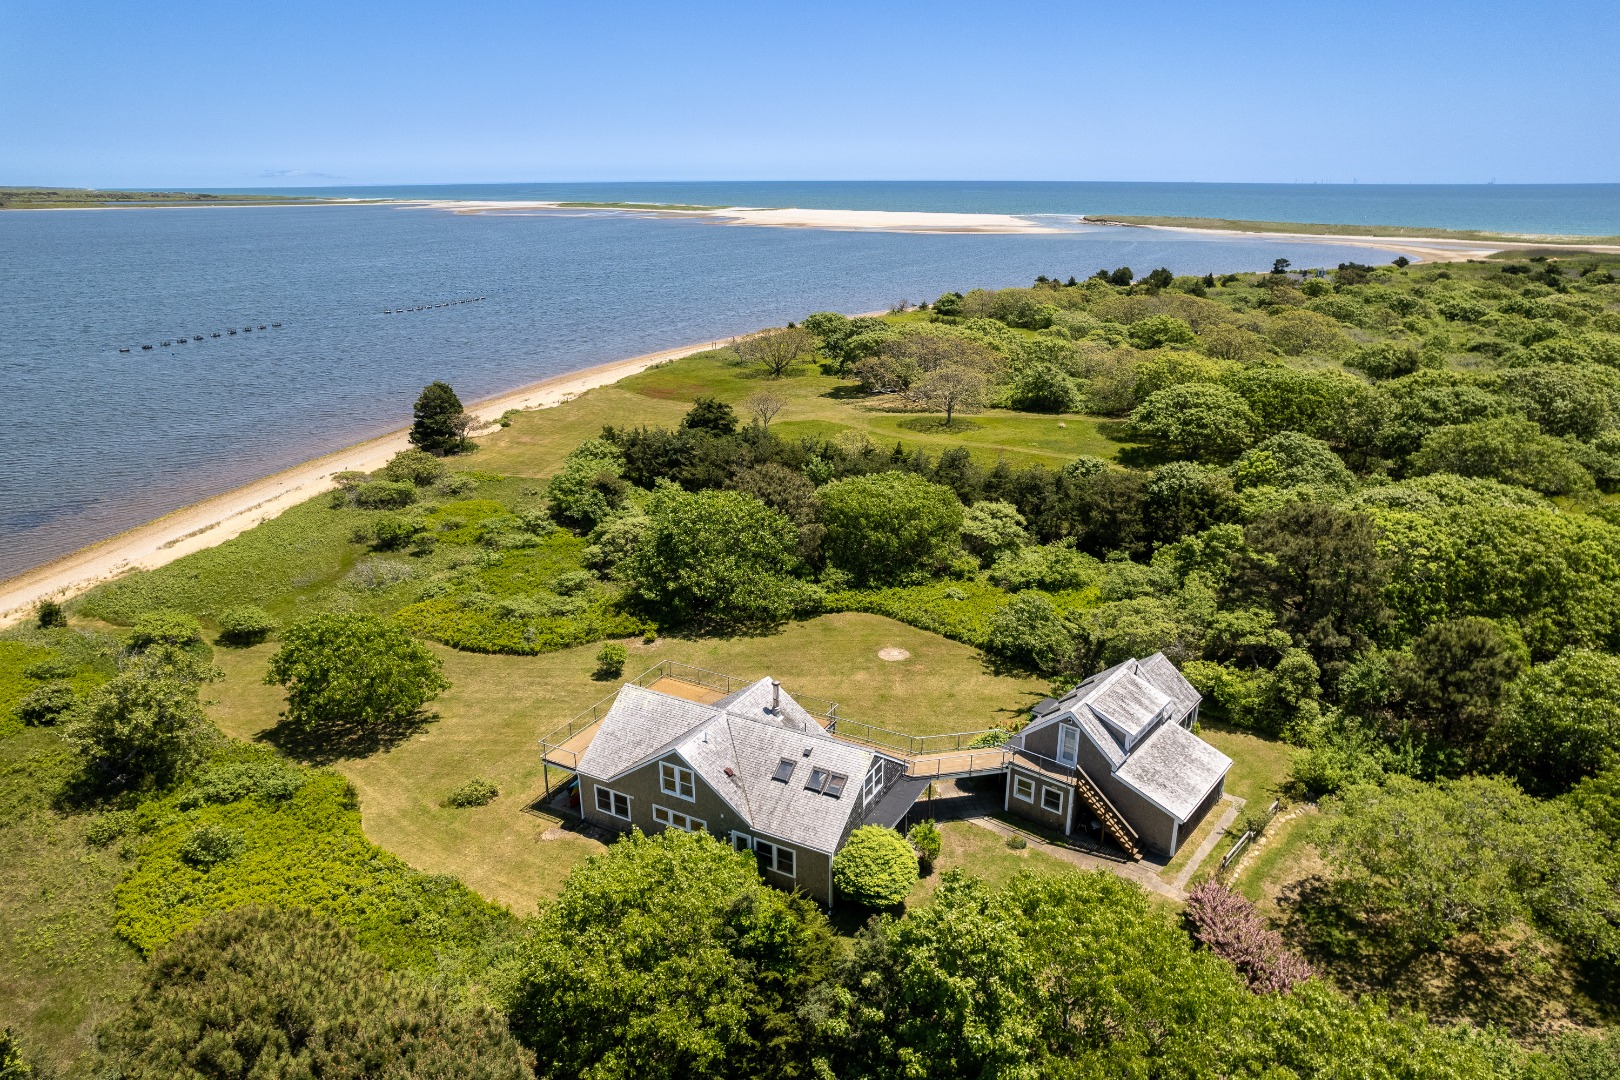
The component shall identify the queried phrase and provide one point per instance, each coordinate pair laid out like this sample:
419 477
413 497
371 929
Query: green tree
1044 388
1510 450
928 840
246 624
991 530
1029 631
668 958
1318 567
47 704
1452 682
437 427
1156 331
1198 420
1291 459
1184 497
717 558
888 525
710 414
875 867
777 351
146 725
951 389
588 490
1424 862
1564 722
353 671
414 467
610 660
264 992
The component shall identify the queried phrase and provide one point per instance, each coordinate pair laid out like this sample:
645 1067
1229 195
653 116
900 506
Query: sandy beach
218 519
1416 248
901 221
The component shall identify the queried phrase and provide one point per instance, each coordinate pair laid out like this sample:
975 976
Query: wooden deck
686 691
954 762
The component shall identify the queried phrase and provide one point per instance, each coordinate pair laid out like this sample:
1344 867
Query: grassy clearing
986 856
1284 856
62 968
818 405
498 707
1259 764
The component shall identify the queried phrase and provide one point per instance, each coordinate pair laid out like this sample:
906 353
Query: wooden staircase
1122 833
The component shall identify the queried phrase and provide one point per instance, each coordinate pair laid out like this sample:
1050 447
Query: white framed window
676 781
1023 788
742 842
774 857
1068 744
674 819
614 803
873 784
1052 799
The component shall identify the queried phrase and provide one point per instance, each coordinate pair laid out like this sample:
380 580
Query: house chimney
776 696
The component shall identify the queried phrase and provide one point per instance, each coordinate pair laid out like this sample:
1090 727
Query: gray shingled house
1115 753
753 768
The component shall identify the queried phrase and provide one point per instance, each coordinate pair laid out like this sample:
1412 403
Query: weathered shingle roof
641 724
1127 703
1158 670
1174 768
739 732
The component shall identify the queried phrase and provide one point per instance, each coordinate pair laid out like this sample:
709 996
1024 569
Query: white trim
771 858
746 842
674 819
1048 789
1020 778
611 809
1175 833
873 784
1068 814
1071 731
672 778
1006 792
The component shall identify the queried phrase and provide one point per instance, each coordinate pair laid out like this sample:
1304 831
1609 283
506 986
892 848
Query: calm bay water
96 441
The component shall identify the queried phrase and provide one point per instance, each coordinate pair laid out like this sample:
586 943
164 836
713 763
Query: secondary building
1115 755
754 768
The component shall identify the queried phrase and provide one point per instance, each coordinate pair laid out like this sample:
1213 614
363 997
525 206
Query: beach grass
1317 229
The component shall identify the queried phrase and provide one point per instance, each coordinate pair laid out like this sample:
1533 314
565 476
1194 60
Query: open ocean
97 441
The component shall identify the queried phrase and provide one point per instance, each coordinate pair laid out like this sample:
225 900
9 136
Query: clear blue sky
235 94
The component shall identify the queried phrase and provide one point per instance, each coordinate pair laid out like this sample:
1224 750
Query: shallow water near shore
97 441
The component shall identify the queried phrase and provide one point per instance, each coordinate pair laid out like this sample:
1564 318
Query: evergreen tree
438 411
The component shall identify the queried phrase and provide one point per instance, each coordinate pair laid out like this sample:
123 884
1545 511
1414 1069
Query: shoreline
223 517
898 221
1418 248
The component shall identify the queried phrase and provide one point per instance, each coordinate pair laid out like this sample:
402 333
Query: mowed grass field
816 405
498 707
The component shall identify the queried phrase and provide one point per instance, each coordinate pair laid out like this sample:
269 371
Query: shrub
353 670
264 992
227 781
475 792
1028 630
572 582
1052 567
1228 925
50 614
991 530
1199 420
145 725
1044 388
588 488
927 839
1159 330
414 467
165 627
210 845
610 660
384 494
47 704
887 525
391 532
244 625
875 867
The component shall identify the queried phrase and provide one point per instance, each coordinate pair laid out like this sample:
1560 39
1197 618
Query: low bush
47 704
927 839
210 845
876 867
413 467
49 614
610 660
475 792
480 623
384 494
165 627
246 624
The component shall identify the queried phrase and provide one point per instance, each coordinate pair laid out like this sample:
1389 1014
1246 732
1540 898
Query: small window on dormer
784 771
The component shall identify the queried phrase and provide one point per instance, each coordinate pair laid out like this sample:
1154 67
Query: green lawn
498 707
817 405
1259 764
986 856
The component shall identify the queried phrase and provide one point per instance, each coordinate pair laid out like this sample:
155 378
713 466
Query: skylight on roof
818 780
784 770
835 784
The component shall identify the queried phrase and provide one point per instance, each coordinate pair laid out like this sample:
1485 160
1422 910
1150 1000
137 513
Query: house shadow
848 392
340 741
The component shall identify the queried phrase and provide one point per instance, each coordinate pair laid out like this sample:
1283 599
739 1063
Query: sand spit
1416 248
901 221
216 520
